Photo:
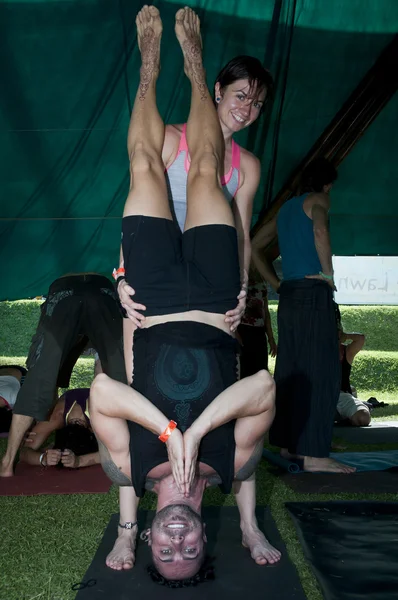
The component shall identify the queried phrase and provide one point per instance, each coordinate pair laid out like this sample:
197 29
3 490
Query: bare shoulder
319 198
250 169
58 410
249 161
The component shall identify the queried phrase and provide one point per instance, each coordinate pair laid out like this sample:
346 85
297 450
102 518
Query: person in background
75 445
79 307
255 329
349 407
307 370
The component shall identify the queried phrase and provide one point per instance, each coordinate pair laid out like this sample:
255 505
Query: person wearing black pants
307 371
255 331
78 308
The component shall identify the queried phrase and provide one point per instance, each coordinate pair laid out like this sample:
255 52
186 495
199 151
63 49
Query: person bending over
184 356
75 444
349 407
78 308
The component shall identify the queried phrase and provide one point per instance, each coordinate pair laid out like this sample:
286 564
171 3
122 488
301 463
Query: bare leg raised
148 191
205 199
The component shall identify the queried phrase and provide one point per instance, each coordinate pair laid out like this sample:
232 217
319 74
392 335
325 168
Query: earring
218 99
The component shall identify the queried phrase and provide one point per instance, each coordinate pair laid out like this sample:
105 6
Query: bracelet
328 277
167 432
128 525
118 280
42 455
119 271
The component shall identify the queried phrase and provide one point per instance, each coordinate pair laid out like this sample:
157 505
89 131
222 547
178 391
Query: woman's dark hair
317 173
246 67
77 438
205 573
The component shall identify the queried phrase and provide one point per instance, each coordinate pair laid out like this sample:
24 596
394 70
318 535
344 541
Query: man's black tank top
181 367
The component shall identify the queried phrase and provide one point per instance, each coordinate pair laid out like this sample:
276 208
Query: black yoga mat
237 575
351 546
375 482
378 432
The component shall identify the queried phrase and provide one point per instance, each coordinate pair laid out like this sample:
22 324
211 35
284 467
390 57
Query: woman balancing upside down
184 356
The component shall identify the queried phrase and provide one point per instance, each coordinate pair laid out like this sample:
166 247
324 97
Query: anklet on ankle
128 525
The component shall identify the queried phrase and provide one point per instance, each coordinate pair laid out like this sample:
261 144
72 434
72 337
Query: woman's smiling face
239 104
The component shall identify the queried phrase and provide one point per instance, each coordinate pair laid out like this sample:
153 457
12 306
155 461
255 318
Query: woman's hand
51 458
273 348
125 292
191 449
69 459
175 451
234 317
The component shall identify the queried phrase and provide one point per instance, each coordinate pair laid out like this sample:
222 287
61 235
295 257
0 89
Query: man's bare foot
149 33
325 465
122 555
187 29
6 469
261 550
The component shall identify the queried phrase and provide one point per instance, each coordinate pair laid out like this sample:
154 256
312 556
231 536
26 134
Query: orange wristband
117 272
167 432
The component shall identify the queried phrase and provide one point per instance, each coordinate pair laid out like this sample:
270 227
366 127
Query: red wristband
117 272
167 432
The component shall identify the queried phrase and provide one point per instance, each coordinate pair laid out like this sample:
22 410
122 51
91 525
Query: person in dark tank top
307 370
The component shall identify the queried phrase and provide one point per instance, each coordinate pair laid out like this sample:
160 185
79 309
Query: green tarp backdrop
69 71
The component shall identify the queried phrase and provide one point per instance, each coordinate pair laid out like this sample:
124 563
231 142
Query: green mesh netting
69 71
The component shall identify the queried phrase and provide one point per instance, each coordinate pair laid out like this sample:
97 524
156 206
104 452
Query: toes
180 15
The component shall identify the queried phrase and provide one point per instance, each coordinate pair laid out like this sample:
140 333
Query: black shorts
173 272
78 308
181 367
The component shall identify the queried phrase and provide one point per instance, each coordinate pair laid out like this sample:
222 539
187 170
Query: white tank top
177 175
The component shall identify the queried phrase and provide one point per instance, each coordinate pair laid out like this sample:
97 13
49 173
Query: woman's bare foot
149 33
325 465
122 555
261 550
187 29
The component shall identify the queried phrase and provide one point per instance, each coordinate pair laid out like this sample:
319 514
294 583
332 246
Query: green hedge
378 323
375 371
371 370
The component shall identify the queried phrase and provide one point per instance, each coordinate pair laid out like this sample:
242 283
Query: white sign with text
366 279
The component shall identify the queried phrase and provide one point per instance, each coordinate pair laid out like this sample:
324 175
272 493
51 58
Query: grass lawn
48 542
